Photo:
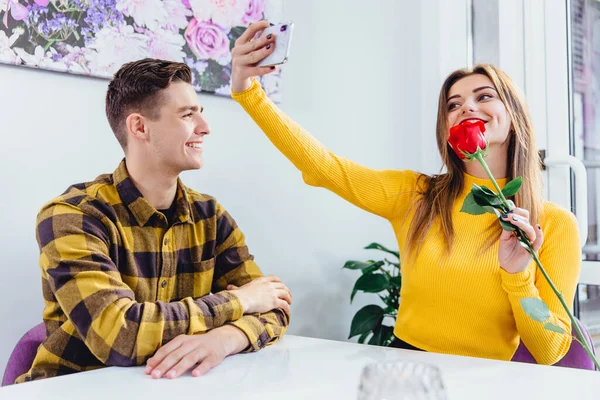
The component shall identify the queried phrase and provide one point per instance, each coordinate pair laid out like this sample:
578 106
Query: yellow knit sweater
464 303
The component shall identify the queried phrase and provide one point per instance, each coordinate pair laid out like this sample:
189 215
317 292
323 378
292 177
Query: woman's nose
468 107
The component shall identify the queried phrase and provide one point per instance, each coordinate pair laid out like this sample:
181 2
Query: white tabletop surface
305 368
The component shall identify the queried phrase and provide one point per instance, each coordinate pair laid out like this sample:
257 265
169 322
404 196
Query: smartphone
283 38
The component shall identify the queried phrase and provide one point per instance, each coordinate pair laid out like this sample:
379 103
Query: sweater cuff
520 284
241 96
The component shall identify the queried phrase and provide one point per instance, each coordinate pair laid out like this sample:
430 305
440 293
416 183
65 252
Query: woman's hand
246 53
513 257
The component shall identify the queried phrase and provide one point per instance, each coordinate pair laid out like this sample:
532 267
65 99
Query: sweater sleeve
560 256
381 192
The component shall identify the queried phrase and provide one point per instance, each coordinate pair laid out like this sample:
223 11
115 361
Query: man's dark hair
136 87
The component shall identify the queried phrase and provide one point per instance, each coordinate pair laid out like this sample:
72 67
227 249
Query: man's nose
202 127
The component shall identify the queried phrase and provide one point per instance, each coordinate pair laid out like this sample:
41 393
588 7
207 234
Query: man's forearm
262 329
234 340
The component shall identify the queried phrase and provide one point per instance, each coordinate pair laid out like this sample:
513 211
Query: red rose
467 137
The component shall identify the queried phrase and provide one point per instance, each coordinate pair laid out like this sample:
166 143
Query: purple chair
22 356
576 357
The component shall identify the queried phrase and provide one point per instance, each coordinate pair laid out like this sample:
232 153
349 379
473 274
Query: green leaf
362 265
485 197
372 268
377 246
555 328
507 226
487 190
377 337
391 304
363 337
387 334
536 309
397 282
365 320
48 44
370 283
470 206
389 308
493 210
512 187
382 335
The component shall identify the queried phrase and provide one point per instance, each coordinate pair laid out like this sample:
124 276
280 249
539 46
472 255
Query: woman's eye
452 106
485 96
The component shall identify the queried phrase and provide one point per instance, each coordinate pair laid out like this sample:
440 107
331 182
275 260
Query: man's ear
136 126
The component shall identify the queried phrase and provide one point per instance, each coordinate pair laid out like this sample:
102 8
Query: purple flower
99 14
254 12
35 13
207 40
59 23
42 3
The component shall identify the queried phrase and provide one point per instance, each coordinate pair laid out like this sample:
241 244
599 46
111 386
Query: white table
309 369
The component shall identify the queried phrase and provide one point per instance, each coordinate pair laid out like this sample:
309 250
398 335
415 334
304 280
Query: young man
135 265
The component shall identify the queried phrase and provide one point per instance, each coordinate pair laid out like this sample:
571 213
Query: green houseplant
381 277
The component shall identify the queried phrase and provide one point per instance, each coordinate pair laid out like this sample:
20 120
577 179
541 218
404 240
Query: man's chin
194 166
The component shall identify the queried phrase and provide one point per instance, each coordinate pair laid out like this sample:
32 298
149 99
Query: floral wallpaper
96 37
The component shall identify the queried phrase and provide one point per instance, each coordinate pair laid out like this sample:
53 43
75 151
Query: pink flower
254 12
225 13
41 3
17 11
207 40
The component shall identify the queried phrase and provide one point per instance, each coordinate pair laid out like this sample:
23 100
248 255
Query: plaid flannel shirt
118 282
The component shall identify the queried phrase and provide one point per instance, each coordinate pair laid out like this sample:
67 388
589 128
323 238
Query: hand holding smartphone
283 39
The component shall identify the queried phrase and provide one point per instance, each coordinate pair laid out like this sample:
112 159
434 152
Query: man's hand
263 295
201 352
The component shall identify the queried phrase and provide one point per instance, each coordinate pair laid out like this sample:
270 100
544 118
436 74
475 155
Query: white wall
365 84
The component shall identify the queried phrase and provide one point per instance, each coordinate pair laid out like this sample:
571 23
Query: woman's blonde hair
439 192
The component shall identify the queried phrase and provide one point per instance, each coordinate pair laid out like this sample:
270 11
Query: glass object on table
401 380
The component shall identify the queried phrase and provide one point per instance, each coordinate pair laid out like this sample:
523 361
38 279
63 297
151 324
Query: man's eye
188 115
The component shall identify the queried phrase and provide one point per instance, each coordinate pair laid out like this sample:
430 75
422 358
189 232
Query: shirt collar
140 208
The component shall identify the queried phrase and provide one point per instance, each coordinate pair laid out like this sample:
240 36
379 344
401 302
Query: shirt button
163 284
165 241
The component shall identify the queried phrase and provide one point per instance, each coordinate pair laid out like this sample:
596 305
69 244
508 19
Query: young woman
462 275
